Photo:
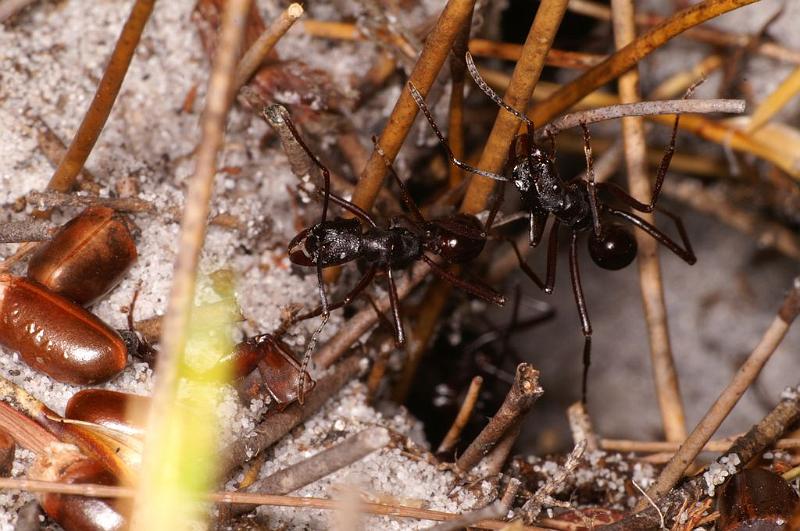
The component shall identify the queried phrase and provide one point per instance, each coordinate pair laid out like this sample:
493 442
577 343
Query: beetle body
56 336
87 257
122 412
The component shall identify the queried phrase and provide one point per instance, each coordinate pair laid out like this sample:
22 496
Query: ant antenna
464 166
476 76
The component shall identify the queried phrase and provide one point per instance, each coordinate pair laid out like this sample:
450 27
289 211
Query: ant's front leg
350 297
552 258
580 301
326 314
394 300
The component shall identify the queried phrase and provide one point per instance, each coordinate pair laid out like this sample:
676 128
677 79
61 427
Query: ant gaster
456 239
574 204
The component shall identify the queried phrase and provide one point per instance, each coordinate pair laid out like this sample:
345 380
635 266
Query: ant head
302 248
532 164
457 239
614 249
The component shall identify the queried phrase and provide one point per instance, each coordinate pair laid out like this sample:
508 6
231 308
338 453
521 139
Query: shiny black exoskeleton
455 239
574 204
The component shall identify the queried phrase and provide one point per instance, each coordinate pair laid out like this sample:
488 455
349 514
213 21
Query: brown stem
455 125
192 235
279 424
328 461
81 146
624 59
259 50
54 150
464 413
523 81
523 393
650 281
747 447
720 409
494 462
437 47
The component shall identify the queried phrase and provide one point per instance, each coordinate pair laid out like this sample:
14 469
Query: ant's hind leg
580 301
326 314
686 253
394 300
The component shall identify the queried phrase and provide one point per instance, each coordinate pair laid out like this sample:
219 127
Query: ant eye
614 249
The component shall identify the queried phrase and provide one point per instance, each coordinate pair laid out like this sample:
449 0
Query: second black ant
574 204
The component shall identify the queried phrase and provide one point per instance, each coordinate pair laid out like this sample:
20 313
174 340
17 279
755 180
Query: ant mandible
574 204
456 239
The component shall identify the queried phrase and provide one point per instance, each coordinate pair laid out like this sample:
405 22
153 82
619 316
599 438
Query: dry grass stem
624 59
678 84
776 101
704 34
522 395
190 243
495 461
490 512
95 118
520 88
453 435
316 467
720 409
259 50
651 447
436 50
651 283
580 425
54 150
455 122
639 109
747 447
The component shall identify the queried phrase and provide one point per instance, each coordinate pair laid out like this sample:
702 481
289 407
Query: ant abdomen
458 239
614 248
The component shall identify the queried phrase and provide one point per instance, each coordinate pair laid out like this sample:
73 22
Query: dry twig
518 401
714 445
650 280
581 426
465 411
720 409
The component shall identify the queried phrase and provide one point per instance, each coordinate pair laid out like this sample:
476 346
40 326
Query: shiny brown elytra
279 369
56 336
115 410
756 499
87 257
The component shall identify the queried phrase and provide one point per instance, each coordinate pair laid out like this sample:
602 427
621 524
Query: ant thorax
396 247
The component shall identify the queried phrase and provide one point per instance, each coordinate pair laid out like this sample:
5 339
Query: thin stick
639 108
518 401
436 50
455 124
624 59
580 425
92 125
316 467
490 512
275 426
106 491
714 445
477 47
54 149
719 410
650 281
255 55
520 88
193 231
775 101
9 8
493 463
708 35
464 413
747 447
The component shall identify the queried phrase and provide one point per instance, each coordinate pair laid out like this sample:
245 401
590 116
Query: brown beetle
756 499
123 412
279 369
87 257
56 336
81 512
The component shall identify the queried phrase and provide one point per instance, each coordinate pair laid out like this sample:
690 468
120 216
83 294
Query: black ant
574 204
456 239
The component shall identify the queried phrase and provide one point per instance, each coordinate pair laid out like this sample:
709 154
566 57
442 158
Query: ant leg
592 186
552 257
586 325
464 166
482 292
476 76
685 253
382 318
537 223
394 300
663 166
498 201
362 284
353 208
326 314
326 174
404 194
524 265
